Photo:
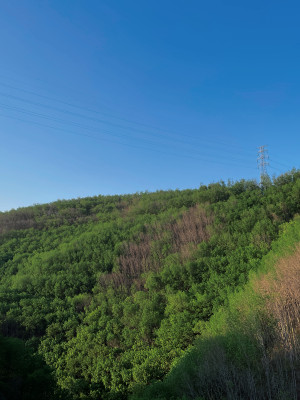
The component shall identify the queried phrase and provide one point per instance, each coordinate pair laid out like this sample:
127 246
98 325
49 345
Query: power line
262 149
280 163
209 160
276 169
78 125
171 135
185 142
166 136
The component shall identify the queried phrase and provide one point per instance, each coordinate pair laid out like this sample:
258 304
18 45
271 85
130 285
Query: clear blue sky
104 97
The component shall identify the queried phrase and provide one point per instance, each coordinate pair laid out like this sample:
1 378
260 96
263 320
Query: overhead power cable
172 138
280 163
170 135
94 130
200 157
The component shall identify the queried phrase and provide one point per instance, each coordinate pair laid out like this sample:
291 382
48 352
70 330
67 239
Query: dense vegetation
110 292
250 349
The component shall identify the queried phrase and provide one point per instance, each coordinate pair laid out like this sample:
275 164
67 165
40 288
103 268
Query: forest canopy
104 295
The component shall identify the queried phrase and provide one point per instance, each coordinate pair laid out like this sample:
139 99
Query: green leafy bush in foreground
23 375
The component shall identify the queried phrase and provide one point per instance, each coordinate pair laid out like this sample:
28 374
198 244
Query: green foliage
113 290
23 374
230 360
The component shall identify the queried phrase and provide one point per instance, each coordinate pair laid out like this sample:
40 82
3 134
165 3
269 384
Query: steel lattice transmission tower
262 162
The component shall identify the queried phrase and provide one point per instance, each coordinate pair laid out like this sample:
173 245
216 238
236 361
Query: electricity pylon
262 163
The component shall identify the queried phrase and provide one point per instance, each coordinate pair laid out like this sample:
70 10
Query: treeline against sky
110 292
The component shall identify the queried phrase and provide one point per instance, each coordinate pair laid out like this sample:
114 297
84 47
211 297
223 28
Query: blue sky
104 97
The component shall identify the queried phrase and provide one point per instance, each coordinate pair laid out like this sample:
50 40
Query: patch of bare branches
190 230
147 252
274 373
282 294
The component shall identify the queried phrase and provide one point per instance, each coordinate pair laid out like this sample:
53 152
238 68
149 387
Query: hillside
102 296
250 349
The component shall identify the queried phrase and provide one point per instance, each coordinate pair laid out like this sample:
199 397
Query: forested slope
111 291
250 349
